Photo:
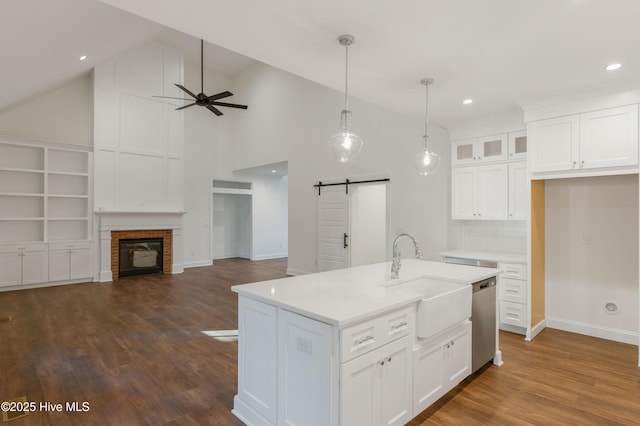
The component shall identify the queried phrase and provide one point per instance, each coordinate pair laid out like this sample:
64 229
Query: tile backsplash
500 236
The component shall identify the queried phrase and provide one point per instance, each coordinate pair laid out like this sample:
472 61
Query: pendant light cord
426 118
346 78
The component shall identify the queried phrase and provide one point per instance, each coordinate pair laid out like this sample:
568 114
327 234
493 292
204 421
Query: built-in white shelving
45 201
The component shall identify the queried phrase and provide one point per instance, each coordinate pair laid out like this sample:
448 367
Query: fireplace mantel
109 221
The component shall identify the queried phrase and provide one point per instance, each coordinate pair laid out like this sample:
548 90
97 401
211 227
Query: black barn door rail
348 182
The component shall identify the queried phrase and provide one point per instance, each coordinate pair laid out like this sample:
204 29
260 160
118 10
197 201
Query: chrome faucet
395 266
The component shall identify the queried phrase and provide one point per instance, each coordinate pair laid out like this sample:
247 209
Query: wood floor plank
134 350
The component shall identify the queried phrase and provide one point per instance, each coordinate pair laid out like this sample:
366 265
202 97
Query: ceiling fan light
426 162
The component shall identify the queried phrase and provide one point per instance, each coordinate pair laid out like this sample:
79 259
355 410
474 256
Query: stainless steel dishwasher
483 314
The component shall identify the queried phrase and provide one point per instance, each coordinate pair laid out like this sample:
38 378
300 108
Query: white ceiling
501 53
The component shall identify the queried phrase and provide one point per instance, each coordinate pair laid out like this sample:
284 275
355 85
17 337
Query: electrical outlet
303 345
586 239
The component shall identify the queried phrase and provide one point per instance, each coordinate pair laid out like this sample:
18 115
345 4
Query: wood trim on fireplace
167 242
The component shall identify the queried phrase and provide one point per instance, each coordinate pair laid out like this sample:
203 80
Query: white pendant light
345 145
426 162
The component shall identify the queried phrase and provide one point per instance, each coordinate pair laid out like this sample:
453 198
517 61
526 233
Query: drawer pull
368 339
398 326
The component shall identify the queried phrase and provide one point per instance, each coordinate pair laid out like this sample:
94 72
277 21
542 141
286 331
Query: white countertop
486 255
346 296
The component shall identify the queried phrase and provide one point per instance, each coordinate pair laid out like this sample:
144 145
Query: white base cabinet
293 370
23 264
439 364
69 261
376 388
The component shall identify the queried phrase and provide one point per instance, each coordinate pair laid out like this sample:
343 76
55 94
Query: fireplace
138 252
139 256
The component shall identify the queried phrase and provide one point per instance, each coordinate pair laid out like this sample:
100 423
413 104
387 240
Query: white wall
592 255
290 119
231 226
61 115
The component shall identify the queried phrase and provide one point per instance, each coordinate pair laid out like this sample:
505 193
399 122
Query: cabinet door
58 265
427 376
464 191
360 390
492 148
397 383
304 371
34 267
553 144
257 357
79 263
464 151
518 191
10 266
493 192
517 145
609 138
457 358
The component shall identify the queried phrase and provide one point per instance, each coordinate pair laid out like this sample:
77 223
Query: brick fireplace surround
167 243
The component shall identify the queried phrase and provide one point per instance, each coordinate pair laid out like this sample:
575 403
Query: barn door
333 228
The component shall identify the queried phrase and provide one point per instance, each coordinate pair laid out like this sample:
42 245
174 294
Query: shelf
58 207
21 182
68 184
50 173
21 206
21 218
65 161
68 229
22 230
21 157
53 219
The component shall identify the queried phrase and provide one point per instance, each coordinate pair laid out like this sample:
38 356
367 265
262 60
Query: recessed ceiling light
467 101
83 57
612 67
273 171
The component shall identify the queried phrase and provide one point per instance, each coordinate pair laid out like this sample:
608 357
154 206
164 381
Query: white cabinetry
491 185
376 387
482 149
439 364
44 197
513 295
480 192
23 264
69 261
518 191
257 360
580 143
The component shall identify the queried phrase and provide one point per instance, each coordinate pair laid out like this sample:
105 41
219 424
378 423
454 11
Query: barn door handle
344 240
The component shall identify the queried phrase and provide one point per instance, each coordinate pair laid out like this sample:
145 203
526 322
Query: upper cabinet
582 143
476 150
489 177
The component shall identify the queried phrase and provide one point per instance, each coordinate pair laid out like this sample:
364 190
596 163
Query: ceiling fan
209 102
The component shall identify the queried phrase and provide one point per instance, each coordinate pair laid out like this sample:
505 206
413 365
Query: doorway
352 225
232 220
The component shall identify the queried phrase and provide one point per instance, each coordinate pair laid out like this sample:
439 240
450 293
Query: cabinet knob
381 362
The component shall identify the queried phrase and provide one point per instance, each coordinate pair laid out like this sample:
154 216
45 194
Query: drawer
70 245
513 314
23 248
513 290
516 271
360 339
397 324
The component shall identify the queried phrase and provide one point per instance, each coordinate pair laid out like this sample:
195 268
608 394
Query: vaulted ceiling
500 53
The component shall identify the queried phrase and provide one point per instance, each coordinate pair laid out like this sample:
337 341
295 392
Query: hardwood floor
135 352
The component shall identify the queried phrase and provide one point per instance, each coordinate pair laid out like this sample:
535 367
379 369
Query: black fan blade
214 110
224 104
187 91
219 96
186 106
170 97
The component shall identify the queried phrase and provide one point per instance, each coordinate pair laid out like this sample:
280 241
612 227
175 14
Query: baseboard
535 330
296 272
617 335
197 264
46 284
247 414
270 256
513 329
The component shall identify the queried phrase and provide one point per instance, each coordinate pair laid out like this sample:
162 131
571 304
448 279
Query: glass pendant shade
426 162
345 145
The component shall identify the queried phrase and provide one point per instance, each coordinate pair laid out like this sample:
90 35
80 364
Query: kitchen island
353 346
